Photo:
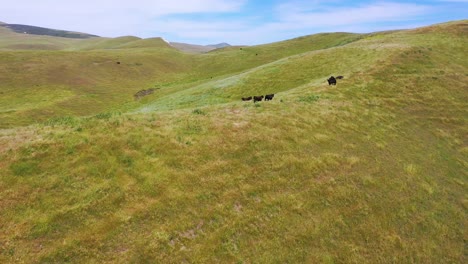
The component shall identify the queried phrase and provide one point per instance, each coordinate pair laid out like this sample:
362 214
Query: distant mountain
34 30
26 29
219 45
67 40
193 48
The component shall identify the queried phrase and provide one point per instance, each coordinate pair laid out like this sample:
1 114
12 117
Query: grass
95 82
369 171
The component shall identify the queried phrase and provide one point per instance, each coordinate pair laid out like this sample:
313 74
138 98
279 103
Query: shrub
198 112
103 115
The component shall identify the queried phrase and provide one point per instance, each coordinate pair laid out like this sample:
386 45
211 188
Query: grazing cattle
339 77
257 98
331 81
269 97
118 62
247 98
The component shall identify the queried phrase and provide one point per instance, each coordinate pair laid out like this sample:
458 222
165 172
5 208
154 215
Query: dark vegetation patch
198 112
142 93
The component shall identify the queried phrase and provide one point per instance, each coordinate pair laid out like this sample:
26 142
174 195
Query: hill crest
27 29
194 48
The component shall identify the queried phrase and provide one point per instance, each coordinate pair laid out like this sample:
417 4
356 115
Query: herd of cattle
259 98
268 97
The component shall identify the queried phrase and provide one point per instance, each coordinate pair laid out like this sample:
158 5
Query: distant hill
219 45
17 41
66 40
193 48
26 29
146 43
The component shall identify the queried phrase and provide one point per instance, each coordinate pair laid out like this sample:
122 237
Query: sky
237 22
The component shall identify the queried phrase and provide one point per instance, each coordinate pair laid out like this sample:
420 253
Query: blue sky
234 21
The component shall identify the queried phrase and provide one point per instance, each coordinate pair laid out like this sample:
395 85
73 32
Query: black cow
339 77
269 97
331 81
247 98
257 98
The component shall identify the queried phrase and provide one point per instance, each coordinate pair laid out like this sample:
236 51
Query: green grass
372 170
94 82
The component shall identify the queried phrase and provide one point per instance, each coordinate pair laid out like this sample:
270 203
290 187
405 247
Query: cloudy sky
234 21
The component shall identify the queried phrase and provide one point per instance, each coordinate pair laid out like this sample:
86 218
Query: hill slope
26 29
191 48
9 40
87 80
370 170
25 37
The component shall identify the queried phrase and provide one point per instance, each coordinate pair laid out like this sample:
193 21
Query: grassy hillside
26 29
104 43
87 79
190 48
10 40
39 85
372 170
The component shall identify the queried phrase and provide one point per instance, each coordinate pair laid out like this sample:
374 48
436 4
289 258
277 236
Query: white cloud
297 18
107 17
153 7
339 16
174 19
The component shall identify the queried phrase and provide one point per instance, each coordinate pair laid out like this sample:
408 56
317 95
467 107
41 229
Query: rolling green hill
26 29
9 40
372 170
86 79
